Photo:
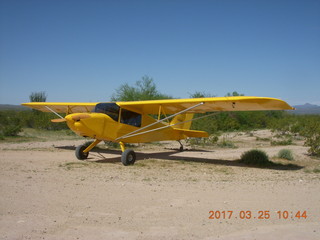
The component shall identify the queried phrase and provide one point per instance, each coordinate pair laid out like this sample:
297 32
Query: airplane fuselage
103 127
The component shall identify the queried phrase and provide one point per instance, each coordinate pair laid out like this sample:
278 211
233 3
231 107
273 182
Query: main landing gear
128 156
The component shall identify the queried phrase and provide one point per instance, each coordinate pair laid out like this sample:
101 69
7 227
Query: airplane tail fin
182 118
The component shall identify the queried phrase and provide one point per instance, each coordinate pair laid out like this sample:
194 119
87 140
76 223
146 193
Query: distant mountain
4 107
306 109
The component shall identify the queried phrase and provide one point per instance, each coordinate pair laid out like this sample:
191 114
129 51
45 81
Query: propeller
76 118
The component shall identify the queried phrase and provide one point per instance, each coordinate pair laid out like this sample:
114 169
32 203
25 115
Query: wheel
128 157
80 154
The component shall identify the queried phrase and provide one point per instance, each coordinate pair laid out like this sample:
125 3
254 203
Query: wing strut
54 112
159 121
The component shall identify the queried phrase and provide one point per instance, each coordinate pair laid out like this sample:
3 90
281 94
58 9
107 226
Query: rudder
186 118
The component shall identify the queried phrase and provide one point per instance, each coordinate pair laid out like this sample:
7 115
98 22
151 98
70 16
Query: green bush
10 130
255 157
285 154
314 144
312 135
10 124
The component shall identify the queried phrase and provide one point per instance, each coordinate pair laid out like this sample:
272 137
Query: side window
130 118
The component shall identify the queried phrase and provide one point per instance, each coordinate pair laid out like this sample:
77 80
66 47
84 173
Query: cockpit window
111 109
130 118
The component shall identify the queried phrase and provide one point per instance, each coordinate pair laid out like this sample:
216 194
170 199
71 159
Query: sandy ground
47 194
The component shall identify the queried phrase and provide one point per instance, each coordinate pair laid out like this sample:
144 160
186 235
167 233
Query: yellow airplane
146 121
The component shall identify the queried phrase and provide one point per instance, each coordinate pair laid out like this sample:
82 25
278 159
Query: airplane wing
171 106
61 107
202 105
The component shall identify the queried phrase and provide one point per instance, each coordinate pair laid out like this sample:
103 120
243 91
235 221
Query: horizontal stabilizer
193 133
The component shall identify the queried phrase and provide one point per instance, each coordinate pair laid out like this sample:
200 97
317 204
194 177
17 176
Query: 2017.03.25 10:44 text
261 215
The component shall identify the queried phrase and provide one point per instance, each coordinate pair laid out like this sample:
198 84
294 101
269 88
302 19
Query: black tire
80 154
128 157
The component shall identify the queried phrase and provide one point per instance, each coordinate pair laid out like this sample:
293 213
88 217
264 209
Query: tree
198 94
145 89
38 97
41 120
234 94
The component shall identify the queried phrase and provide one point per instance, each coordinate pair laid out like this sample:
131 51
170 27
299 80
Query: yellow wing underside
171 106
61 107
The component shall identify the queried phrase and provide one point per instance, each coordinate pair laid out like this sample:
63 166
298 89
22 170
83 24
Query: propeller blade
80 116
57 120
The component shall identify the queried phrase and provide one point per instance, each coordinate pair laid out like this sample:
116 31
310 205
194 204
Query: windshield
111 109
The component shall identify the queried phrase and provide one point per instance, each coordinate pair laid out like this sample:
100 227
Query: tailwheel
80 154
128 157
181 146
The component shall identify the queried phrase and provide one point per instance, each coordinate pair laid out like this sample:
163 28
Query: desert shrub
10 130
262 139
312 135
314 144
210 141
10 124
316 170
40 120
225 143
255 157
307 126
285 154
213 139
283 142
283 125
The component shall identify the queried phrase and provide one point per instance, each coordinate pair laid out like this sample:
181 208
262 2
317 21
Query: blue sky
81 51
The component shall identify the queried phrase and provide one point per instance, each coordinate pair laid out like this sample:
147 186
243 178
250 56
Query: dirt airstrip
202 193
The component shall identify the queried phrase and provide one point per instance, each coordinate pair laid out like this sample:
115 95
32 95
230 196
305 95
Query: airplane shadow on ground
171 156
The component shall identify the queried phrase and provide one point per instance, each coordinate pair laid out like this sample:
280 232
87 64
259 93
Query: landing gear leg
82 151
128 156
